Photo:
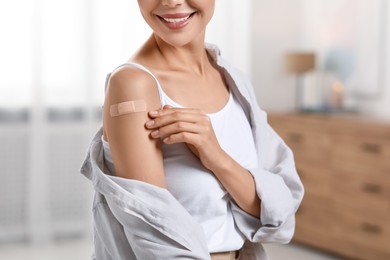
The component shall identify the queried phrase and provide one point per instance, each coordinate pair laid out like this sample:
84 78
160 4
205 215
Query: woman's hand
191 126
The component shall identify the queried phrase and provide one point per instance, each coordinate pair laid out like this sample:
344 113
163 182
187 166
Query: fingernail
153 113
155 133
150 123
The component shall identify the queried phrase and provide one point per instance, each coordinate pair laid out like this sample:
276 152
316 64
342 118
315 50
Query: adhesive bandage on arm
127 107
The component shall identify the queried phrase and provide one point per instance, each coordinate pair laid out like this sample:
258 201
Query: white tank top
194 186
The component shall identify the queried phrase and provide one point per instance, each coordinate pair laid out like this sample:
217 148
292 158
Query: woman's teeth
176 20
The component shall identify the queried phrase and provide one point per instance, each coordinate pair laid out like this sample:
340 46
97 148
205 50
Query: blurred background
320 68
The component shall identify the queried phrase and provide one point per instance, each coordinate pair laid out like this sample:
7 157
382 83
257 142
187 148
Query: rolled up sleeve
280 190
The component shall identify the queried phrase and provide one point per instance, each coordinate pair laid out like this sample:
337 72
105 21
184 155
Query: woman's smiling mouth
176 21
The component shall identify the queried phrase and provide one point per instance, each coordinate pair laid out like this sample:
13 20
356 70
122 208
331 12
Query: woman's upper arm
135 154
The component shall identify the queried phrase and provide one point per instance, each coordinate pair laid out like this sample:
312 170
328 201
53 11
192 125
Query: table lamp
298 63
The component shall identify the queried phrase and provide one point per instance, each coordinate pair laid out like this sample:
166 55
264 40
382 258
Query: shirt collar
213 51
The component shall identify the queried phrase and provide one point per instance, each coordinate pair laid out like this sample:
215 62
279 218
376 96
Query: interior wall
276 30
349 38
233 36
282 25
380 106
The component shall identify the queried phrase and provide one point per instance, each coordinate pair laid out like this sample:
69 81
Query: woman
189 165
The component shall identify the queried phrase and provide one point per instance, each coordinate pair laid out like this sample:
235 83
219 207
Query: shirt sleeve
279 189
137 220
155 224
277 182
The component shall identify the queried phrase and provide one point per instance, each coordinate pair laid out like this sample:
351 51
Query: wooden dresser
344 164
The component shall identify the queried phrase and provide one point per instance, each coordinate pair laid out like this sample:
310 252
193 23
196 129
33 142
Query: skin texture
179 60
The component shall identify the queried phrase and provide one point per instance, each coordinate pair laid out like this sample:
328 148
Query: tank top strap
141 67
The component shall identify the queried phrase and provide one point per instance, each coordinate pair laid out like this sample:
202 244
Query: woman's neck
191 58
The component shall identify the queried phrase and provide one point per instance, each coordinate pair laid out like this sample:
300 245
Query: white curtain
54 57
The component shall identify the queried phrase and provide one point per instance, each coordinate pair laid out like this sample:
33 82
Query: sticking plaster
127 107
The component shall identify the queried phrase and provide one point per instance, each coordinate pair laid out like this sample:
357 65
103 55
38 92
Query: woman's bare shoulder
131 82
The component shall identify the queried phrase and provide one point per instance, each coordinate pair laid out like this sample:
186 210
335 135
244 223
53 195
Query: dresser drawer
316 180
367 194
363 237
361 155
316 223
308 147
338 229
326 226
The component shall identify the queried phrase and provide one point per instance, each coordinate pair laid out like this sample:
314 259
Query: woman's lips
176 21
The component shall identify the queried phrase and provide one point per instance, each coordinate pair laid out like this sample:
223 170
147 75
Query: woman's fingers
166 110
182 137
166 117
177 127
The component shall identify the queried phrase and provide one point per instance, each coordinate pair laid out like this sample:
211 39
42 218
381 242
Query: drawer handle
295 137
301 210
371 228
371 188
371 148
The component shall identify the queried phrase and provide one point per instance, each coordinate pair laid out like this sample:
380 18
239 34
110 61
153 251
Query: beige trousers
233 255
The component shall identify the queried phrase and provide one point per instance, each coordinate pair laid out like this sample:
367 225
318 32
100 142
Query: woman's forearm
239 183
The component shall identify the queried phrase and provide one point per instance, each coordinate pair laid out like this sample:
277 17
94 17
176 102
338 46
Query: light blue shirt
136 220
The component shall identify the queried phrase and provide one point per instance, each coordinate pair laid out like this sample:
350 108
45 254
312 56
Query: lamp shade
299 62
